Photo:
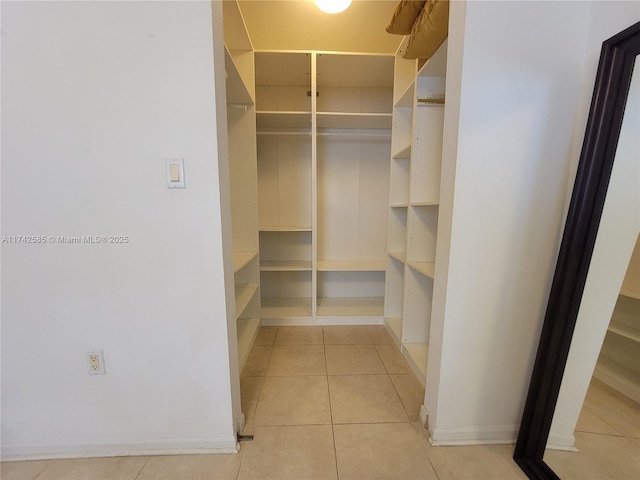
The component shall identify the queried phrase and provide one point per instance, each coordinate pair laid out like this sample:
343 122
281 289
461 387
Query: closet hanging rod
431 100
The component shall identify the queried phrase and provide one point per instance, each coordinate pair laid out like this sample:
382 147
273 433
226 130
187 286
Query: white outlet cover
100 370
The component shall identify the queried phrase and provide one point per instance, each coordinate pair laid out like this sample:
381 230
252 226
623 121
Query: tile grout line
143 465
333 432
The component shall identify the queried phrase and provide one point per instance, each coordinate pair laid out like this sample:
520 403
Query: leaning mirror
609 109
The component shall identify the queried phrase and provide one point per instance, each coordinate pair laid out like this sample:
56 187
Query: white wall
618 231
95 95
521 65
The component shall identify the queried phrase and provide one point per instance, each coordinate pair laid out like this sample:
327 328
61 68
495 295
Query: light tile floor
342 403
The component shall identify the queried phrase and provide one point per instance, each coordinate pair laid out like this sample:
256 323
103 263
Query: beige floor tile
620 412
192 467
379 335
590 422
27 470
297 360
310 335
250 388
346 335
393 360
575 466
353 359
114 468
480 462
257 361
266 336
381 451
294 401
364 399
289 453
411 394
617 455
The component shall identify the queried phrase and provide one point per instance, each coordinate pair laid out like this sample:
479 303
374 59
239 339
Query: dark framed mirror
608 104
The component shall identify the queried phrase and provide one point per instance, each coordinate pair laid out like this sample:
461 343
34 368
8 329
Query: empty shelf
426 268
625 331
402 256
351 265
629 293
621 378
354 120
395 324
244 294
274 119
402 153
350 306
247 330
241 259
285 307
278 228
285 266
417 354
237 91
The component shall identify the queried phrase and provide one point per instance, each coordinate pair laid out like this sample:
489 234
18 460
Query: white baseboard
302 321
474 435
112 449
566 443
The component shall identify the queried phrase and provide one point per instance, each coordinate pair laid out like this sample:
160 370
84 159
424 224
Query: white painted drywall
521 64
95 96
618 231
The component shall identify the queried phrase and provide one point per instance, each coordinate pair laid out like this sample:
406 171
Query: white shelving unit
323 177
414 194
619 362
241 121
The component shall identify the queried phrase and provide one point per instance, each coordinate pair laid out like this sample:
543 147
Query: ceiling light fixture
333 6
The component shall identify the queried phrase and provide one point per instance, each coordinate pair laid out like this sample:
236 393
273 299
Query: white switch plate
95 362
173 164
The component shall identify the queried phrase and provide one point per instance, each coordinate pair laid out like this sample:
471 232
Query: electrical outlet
95 359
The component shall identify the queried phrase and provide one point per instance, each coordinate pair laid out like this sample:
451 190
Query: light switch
175 173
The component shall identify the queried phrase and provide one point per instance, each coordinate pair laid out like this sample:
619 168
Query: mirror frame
608 103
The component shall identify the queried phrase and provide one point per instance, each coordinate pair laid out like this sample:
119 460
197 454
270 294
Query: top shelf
283 68
436 66
237 91
349 70
236 36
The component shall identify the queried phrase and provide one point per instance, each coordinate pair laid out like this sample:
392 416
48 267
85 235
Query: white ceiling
300 25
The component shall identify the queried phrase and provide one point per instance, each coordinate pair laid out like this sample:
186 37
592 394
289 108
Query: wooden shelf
620 378
350 307
625 331
285 266
401 256
379 121
417 354
404 153
276 119
247 330
351 265
237 91
399 205
436 66
425 204
244 294
630 294
426 268
406 99
395 327
280 228
241 259
286 307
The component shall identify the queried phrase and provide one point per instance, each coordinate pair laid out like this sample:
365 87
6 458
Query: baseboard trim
474 436
302 321
566 443
112 449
